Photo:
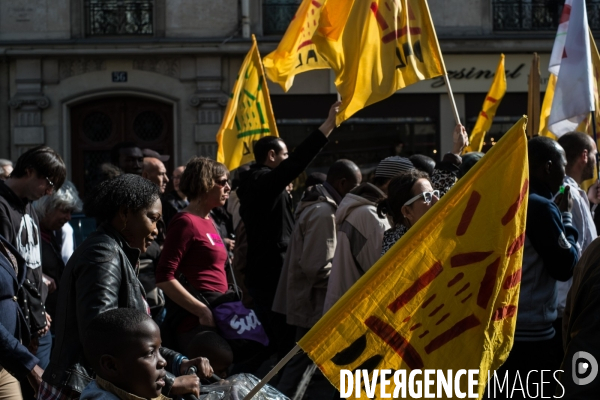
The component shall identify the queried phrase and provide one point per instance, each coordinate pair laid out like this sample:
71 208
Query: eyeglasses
222 182
50 183
427 197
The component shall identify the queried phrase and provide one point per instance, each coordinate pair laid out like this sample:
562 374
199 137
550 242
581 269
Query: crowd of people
224 273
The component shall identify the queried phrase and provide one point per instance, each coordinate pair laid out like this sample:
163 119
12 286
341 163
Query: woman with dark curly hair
194 248
410 196
102 275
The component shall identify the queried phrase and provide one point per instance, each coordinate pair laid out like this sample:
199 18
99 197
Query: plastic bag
237 387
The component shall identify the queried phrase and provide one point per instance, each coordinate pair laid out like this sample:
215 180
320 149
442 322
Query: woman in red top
194 248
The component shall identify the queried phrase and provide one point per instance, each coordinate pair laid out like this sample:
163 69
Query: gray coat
303 282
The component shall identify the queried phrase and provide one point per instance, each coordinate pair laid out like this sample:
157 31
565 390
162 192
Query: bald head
155 172
344 176
547 162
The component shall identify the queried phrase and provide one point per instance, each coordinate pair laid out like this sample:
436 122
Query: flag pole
533 98
595 139
452 101
273 372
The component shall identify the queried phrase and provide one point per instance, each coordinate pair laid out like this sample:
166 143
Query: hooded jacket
266 209
303 283
359 237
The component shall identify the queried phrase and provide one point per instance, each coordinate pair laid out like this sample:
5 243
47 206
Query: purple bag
235 321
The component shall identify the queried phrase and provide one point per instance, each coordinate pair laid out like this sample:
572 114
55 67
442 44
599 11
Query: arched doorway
97 125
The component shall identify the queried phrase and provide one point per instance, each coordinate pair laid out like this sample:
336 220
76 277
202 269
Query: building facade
83 75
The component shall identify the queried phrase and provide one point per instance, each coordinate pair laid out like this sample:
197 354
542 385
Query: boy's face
141 368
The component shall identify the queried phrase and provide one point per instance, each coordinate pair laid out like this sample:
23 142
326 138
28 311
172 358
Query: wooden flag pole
452 101
273 372
533 98
595 140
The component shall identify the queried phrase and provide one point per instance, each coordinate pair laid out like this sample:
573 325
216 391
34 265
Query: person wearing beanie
390 167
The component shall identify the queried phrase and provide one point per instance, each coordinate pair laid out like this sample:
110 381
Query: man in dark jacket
38 172
15 359
549 255
266 209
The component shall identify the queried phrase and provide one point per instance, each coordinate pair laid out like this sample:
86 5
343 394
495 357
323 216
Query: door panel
98 125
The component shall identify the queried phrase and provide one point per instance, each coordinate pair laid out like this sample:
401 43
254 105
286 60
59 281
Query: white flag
573 95
561 36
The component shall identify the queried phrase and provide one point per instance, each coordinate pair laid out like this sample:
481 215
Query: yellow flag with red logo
248 116
296 51
376 48
488 111
445 296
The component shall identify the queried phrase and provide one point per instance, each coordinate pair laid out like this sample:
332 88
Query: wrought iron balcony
536 15
277 15
119 17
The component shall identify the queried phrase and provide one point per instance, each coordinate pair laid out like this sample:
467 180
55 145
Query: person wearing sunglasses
38 172
410 196
194 248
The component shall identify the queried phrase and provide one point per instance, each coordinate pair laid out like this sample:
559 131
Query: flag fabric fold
445 296
296 51
546 108
573 93
376 48
586 125
248 116
488 111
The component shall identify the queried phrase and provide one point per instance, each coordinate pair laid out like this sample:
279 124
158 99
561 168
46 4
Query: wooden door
98 125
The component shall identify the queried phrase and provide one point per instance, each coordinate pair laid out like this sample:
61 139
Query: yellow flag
546 107
376 48
488 111
296 52
248 116
445 296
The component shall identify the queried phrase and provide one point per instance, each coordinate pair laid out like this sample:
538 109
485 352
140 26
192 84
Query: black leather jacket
99 276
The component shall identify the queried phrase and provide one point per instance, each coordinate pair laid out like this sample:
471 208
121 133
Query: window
119 17
536 15
277 15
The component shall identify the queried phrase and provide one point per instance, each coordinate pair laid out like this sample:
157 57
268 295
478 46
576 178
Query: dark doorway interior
97 125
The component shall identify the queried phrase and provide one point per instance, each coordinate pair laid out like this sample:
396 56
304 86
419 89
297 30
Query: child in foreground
122 346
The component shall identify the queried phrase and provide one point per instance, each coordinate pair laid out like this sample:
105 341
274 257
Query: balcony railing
536 15
119 17
277 15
